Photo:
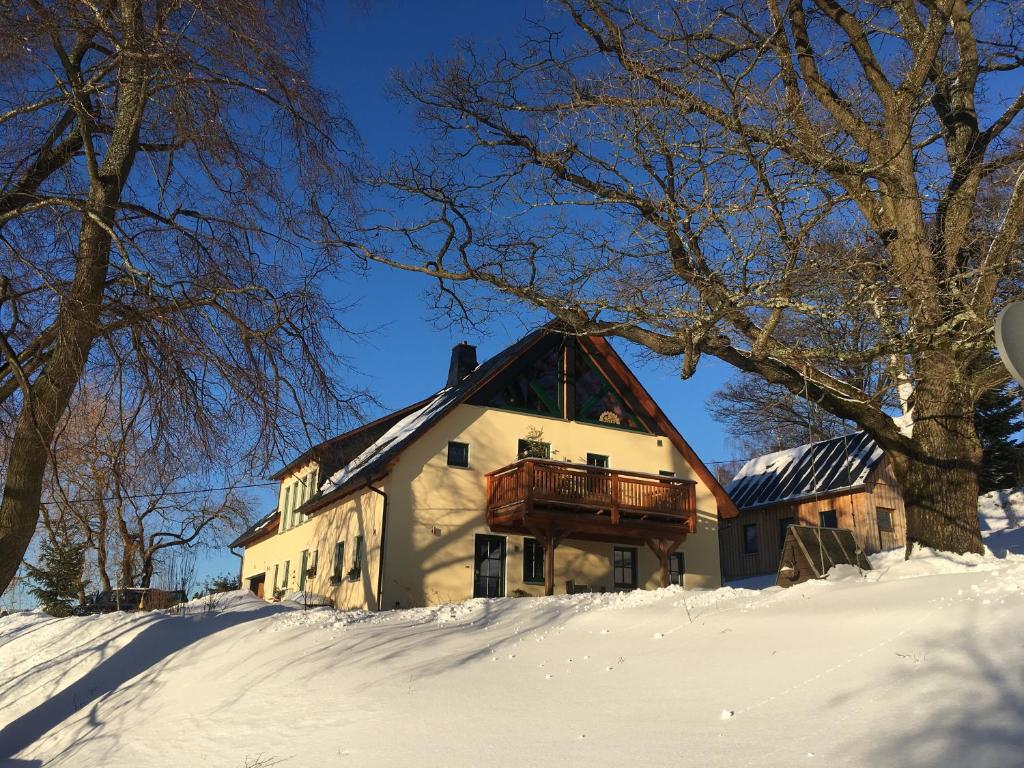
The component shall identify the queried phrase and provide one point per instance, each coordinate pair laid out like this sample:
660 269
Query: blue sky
406 355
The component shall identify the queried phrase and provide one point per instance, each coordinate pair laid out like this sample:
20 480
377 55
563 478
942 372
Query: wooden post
614 482
663 550
529 485
663 563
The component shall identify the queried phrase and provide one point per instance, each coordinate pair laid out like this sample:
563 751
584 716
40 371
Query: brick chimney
463 363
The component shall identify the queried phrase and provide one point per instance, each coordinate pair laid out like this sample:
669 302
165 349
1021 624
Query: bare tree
131 497
164 171
666 173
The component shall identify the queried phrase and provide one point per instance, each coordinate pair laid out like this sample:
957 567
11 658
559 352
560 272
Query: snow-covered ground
916 663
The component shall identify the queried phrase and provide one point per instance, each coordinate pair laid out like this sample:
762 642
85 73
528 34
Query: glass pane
595 399
533 385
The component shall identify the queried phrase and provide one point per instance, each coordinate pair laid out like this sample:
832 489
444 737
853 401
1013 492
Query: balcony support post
663 550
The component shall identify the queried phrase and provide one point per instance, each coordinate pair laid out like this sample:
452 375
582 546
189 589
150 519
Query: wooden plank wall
855 511
886 493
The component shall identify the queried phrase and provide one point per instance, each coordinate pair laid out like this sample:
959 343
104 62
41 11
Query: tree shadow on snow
399 653
971 698
140 658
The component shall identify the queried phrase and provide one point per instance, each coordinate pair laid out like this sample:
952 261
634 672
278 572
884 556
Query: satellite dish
1010 339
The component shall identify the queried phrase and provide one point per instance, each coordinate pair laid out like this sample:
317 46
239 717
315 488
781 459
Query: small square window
750 543
884 519
458 454
597 460
666 473
534 449
828 519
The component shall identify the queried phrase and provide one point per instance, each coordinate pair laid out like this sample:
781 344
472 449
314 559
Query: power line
193 492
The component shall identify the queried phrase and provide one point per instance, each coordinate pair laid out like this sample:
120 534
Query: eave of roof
317 450
257 530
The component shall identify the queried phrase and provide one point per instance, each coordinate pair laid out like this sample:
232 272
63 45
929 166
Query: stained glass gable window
533 384
596 400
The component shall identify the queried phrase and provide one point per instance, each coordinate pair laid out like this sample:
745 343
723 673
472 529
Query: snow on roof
373 456
839 464
412 425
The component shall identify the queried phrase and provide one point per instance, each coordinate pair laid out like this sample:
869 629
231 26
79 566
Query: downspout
241 564
380 551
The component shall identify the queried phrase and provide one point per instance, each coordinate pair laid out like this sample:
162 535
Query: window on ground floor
533 562
303 569
357 559
828 519
284 577
676 568
751 546
884 519
339 561
624 567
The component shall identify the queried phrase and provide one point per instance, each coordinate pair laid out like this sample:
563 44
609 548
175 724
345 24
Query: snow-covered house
845 482
547 468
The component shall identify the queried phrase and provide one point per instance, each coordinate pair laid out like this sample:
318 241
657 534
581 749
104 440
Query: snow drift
913 664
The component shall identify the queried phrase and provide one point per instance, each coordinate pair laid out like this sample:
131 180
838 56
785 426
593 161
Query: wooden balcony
533 496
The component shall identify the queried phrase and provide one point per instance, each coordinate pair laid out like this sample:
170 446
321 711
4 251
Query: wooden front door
489 566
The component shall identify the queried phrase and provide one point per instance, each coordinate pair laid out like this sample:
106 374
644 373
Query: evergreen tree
997 418
58 579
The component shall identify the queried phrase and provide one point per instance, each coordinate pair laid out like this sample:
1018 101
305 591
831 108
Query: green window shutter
303 565
339 560
276 568
284 581
357 556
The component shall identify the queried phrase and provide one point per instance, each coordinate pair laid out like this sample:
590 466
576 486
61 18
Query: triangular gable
618 370
561 378
616 391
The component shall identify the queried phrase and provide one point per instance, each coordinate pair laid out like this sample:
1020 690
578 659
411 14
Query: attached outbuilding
845 482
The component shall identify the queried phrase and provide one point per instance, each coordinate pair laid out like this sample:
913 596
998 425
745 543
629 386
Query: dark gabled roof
335 453
260 528
815 469
406 426
415 420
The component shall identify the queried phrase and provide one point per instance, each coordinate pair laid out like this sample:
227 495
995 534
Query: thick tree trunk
42 410
939 479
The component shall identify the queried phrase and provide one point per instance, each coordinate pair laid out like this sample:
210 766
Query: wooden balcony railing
530 484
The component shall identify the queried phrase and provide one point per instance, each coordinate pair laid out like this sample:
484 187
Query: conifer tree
58 580
997 418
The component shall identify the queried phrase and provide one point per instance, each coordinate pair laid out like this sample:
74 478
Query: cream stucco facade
427 527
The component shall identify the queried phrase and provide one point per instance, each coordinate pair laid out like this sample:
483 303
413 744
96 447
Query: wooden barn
845 482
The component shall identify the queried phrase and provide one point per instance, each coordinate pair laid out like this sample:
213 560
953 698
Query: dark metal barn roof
815 469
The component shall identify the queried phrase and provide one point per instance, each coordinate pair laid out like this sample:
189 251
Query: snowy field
916 663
